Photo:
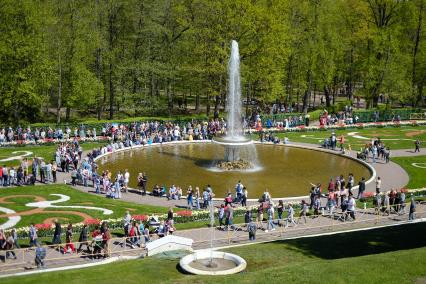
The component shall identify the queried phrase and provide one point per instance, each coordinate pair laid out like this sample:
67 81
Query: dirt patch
42 211
376 134
414 133
131 209
52 220
36 198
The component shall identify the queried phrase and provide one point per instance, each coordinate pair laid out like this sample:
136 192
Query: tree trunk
100 98
208 105
305 101
197 103
169 96
415 51
59 102
111 93
68 114
327 96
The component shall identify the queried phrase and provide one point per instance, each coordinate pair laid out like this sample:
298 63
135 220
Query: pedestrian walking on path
417 145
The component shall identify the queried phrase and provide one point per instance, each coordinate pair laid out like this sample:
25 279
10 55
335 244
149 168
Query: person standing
412 214
126 222
9 246
5 176
229 216
197 197
290 215
417 145
48 167
351 207
247 217
361 188
378 185
280 210
69 246
303 211
83 239
251 229
33 235
189 197
126 180
57 234
221 214
239 190
54 170
244 197
271 225
374 153
15 238
40 255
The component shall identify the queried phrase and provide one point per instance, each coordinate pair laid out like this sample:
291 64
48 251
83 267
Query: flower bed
179 217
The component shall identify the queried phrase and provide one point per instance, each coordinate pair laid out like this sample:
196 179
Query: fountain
240 152
210 262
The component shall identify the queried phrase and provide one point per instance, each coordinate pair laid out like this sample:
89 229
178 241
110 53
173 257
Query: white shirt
351 204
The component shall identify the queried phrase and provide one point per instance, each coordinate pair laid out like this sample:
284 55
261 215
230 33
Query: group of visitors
376 149
137 132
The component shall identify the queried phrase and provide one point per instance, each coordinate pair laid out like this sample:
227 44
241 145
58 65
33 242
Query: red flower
184 213
43 226
92 222
142 218
368 194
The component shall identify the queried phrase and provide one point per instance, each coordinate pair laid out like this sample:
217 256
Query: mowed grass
393 137
46 152
388 255
77 198
417 174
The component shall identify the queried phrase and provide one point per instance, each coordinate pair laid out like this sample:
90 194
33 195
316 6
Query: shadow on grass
361 243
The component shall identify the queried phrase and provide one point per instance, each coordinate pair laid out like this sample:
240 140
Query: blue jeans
271 224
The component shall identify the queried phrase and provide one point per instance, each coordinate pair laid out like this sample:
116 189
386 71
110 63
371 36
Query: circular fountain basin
284 170
223 263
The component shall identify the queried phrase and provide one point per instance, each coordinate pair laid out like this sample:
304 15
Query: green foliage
164 57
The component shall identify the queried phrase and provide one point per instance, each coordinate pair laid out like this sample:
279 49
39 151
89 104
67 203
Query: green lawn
46 152
393 137
416 174
77 198
389 255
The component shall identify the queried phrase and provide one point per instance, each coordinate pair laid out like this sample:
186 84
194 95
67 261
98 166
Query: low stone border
206 254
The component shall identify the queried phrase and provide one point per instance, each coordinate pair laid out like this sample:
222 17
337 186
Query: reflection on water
285 171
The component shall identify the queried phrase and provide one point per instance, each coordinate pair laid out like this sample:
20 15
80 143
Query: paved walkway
217 237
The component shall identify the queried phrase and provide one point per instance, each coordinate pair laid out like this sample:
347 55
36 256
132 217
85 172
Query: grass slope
416 174
393 137
388 255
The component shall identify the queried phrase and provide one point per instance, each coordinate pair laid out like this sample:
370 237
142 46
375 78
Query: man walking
417 144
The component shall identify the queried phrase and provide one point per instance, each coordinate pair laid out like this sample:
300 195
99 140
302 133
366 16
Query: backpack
251 228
